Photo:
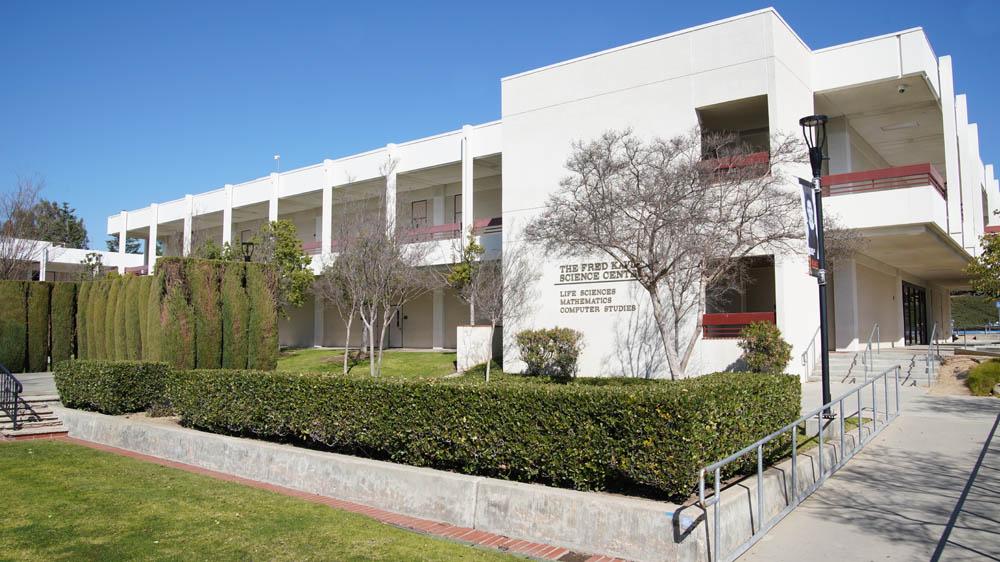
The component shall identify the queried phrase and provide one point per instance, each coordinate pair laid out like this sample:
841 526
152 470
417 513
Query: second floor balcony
898 195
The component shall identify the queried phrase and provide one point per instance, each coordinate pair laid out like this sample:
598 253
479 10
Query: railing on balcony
730 324
314 247
899 177
137 270
436 232
487 226
758 160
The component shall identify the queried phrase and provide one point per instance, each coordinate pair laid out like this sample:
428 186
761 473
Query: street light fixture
814 131
247 251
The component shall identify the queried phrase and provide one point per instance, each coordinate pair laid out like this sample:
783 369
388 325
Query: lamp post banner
812 228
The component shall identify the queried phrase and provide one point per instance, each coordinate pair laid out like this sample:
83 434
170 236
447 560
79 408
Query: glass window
457 215
418 214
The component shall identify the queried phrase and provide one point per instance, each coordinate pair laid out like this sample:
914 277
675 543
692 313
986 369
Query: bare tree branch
18 248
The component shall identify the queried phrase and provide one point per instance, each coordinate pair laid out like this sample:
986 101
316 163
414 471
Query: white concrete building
904 170
50 262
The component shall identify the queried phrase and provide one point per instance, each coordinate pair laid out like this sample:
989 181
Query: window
246 236
457 215
418 214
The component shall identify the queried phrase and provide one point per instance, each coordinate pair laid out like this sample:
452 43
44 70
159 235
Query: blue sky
116 105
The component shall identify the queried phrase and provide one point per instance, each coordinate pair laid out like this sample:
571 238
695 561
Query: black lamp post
247 251
814 131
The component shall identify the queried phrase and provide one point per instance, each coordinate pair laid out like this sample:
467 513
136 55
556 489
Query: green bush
764 350
983 377
235 317
13 325
130 318
121 329
111 328
38 326
142 309
642 438
262 333
551 352
177 315
110 387
63 318
82 309
204 277
153 344
96 320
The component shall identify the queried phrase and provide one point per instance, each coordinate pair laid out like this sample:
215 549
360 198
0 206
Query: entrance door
914 314
395 332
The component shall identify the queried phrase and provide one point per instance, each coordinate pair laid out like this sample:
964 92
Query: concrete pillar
122 240
966 172
845 286
974 190
467 180
188 223
43 262
227 217
437 335
319 321
796 299
151 242
900 339
390 186
326 228
272 204
437 207
951 155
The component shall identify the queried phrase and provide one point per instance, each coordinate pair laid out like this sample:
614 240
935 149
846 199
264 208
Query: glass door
914 314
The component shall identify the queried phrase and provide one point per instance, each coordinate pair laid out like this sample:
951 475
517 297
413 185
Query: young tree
59 224
277 243
464 269
92 267
985 268
677 214
18 247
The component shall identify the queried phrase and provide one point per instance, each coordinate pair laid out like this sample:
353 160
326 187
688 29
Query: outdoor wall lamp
247 251
814 131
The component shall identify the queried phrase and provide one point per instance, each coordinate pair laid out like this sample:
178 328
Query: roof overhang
922 250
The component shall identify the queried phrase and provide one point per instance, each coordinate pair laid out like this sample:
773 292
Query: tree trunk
347 340
489 354
663 326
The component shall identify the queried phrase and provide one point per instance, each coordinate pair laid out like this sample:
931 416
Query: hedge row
37 320
647 438
38 326
13 324
63 319
110 387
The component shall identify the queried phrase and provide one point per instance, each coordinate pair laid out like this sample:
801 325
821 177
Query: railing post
897 370
819 416
717 516
795 471
843 453
874 408
760 488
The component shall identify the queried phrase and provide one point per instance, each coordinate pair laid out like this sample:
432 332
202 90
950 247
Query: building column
437 207
151 241
272 203
952 168
188 224
900 339
845 301
390 186
326 228
467 180
122 240
43 262
437 334
968 184
319 321
227 217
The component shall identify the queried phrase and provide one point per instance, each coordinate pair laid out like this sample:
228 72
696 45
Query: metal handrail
796 497
10 394
810 350
929 363
866 355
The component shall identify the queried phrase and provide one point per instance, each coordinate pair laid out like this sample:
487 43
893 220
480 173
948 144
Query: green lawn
400 364
67 502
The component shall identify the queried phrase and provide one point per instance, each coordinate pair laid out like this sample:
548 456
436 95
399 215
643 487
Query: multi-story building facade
904 171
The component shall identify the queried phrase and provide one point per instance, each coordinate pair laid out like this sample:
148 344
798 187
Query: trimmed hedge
142 307
82 309
110 387
983 377
130 318
63 318
235 316
177 315
38 326
111 327
13 324
96 319
262 285
154 321
203 279
650 438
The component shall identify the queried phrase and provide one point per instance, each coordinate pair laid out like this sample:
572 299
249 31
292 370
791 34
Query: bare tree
677 214
500 289
18 248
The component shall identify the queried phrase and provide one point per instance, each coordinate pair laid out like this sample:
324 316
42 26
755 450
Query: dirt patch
952 375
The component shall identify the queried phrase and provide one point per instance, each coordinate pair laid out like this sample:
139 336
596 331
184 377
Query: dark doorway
914 314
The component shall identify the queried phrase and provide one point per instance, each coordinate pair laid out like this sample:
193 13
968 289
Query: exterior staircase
32 406
848 366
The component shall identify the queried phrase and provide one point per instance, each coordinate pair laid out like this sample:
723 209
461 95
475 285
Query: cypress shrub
142 306
130 320
638 438
121 330
203 278
235 317
82 309
110 387
177 314
110 326
38 326
63 319
152 345
98 306
262 335
13 325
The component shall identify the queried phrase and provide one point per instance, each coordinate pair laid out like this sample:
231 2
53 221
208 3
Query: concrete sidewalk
927 488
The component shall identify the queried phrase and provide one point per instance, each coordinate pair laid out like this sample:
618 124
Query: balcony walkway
925 489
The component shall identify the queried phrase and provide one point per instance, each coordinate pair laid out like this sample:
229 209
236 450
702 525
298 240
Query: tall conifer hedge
130 312
82 309
235 316
38 326
262 335
178 336
121 335
142 307
63 318
111 328
96 318
152 345
204 277
13 324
